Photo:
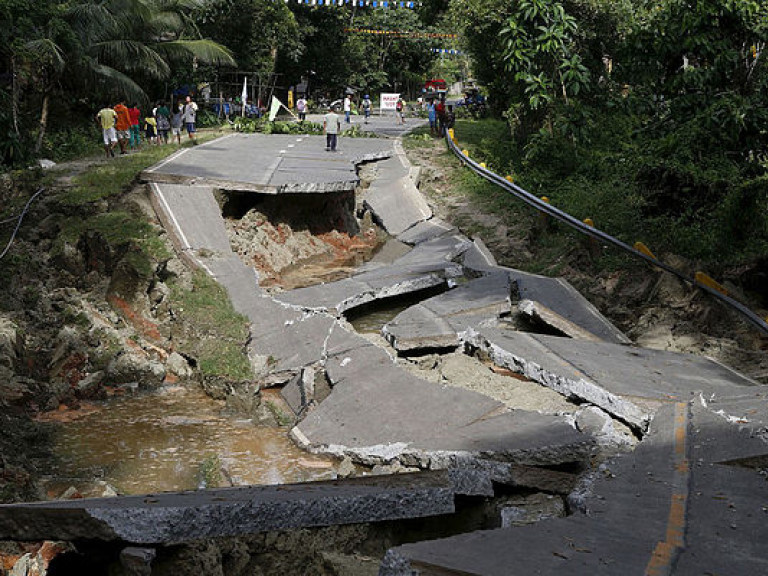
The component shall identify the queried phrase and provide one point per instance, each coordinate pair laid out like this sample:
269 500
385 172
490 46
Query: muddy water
370 318
175 439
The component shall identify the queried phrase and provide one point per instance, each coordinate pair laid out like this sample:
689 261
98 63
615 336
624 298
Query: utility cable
18 222
593 232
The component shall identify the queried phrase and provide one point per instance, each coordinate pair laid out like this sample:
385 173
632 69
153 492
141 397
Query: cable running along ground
18 222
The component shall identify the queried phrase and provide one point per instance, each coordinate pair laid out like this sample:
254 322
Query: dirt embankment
654 309
96 303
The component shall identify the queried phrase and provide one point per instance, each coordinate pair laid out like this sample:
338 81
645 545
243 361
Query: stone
91 386
179 365
137 561
11 343
346 468
133 367
607 431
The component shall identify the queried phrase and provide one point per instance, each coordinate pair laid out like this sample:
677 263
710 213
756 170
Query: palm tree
125 42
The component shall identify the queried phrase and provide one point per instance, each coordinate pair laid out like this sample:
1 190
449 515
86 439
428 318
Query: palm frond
46 51
131 55
206 51
166 21
120 84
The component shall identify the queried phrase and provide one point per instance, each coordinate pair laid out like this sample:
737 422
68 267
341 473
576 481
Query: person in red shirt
135 113
440 111
123 126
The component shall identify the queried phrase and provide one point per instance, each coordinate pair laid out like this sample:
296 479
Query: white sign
389 101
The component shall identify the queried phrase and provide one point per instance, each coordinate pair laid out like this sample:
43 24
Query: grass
222 331
116 175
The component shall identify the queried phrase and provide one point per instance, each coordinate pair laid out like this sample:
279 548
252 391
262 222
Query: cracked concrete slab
602 542
626 382
393 197
269 164
338 297
378 412
426 230
560 297
171 518
437 321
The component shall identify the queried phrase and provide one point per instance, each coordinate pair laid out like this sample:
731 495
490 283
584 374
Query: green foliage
222 332
209 472
112 178
539 50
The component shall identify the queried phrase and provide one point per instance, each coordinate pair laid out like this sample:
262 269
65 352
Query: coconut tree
123 44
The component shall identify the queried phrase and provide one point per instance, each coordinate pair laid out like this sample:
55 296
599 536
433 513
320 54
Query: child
176 124
150 126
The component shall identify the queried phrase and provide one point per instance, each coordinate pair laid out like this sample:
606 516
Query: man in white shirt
331 128
347 108
301 107
189 116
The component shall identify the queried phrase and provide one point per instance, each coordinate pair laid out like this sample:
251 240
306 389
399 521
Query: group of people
122 126
441 117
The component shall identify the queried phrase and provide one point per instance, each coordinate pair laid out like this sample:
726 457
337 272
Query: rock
177 364
244 398
531 509
68 342
91 385
11 343
159 292
346 468
70 493
137 561
46 164
607 431
132 367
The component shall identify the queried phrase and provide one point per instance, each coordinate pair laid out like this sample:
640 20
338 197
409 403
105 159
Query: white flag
244 96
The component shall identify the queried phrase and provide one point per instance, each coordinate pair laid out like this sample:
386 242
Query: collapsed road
687 492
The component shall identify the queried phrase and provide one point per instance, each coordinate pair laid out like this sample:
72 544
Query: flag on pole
244 96
275 108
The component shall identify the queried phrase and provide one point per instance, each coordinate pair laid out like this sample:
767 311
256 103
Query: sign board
389 101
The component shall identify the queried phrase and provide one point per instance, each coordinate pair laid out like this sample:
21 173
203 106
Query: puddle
175 439
370 318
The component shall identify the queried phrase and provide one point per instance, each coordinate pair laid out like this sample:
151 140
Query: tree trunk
43 122
14 97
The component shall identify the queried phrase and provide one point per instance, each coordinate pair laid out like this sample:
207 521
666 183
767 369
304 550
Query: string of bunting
399 33
446 51
361 3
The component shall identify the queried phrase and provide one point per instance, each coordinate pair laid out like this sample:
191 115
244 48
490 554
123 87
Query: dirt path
654 309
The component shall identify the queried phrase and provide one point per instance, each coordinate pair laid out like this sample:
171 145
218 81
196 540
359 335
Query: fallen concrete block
437 321
172 518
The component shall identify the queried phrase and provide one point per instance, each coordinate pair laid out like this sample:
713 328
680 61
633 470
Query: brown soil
655 309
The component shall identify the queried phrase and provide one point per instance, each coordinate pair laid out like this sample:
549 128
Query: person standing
162 115
176 123
123 126
106 117
135 113
301 107
150 127
432 115
331 128
347 108
440 110
400 108
367 106
189 117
